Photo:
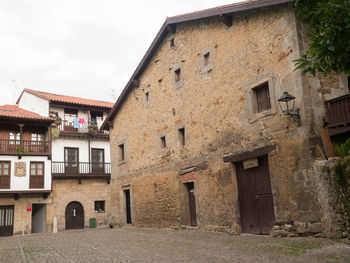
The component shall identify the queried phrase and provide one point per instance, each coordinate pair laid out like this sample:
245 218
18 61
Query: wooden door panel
192 204
266 213
74 216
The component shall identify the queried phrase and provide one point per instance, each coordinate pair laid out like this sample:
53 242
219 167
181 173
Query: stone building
25 170
198 136
80 158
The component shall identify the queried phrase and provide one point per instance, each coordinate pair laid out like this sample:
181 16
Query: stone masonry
216 107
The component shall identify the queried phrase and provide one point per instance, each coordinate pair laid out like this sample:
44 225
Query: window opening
262 97
182 139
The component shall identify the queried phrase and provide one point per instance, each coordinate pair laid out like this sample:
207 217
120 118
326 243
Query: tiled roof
68 99
13 111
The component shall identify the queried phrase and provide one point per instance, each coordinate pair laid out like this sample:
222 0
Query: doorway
127 206
255 197
74 215
192 203
97 159
38 218
6 220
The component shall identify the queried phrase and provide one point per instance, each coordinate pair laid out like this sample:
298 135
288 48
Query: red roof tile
67 99
13 111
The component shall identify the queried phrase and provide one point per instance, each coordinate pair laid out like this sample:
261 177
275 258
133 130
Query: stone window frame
125 160
180 82
209 66
178 127
252 106
100 202
147 99
162 149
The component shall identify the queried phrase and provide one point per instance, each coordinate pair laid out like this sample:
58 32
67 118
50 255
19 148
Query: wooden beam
136 83
171 28
248 155
326 141
226 19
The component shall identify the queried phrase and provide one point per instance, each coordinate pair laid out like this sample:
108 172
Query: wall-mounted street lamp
287 107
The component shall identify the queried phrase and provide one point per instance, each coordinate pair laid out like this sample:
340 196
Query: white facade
22 183
34 103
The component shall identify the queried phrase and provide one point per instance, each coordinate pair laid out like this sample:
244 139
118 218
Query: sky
83 48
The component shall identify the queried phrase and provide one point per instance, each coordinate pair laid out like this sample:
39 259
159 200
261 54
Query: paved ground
155 245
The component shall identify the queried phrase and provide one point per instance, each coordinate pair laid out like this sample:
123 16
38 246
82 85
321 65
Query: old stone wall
217 107
86 193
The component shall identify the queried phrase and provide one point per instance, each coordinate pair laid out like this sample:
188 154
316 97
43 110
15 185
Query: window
71 160
178 75
172 43
262 95
206 59
147 100
36 175
96 118
99 206
181 136
121 153
37 137
15 138
163 142
5 174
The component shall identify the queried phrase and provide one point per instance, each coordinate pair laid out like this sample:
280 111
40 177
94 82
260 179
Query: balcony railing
80 169
24 147
83 128
338 111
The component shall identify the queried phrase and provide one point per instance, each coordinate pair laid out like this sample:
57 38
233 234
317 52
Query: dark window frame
182 136
100 206
262 97
31 184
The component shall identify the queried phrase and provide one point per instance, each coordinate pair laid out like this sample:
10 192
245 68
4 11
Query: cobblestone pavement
165 245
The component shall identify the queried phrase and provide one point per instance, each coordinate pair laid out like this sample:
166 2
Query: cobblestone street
164 245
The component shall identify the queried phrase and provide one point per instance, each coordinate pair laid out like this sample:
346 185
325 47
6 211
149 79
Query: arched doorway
74 215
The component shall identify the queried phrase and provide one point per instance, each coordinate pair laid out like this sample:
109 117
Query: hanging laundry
76 123
81 120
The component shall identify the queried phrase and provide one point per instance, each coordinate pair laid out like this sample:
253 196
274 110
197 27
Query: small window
181 136
163 142
177 74
262 95
172 43
147 96
121 152
99 206
206 58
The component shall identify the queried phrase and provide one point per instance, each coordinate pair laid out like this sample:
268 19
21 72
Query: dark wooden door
71 160
192 204
255 197
128 206
74 216
6 220
97 159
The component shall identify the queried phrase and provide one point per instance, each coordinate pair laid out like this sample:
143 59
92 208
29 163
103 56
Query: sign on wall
20 169
250 163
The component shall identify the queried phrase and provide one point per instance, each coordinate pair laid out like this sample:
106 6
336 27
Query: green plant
58 121
55 133
343 149
92 128
329 23
20 150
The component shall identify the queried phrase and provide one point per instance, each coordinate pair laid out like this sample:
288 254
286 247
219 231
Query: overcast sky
83 48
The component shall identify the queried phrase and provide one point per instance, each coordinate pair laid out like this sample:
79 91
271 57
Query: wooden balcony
24 147
338 114
81 131
66 170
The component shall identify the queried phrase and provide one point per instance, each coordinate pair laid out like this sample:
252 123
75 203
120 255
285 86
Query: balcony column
49 143
21 135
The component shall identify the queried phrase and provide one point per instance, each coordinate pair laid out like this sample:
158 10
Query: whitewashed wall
22 183
34 103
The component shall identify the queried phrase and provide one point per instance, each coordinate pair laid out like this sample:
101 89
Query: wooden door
74 215
6 220
71 160
97 159
192 203
5 174
255 197
128 206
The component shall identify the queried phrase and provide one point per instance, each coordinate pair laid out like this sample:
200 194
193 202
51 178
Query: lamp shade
286 97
